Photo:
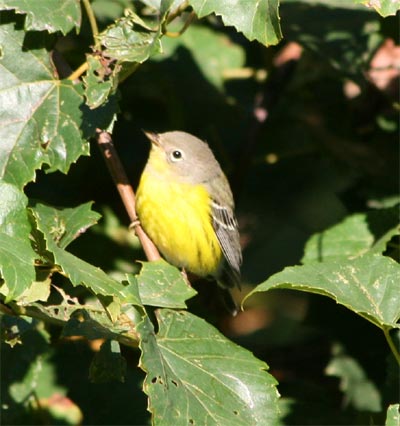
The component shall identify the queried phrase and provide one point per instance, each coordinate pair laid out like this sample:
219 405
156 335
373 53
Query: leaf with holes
44 120
65 224
197 376
161 284
368 285
130 39
57 234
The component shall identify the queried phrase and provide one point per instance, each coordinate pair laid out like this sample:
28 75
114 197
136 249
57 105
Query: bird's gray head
181 157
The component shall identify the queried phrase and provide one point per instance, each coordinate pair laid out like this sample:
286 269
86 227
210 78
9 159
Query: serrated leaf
393 415
77 270
256 19
354 236
130 40
161 284
44 119
383 7
47 15
17 258
65 224
197 376
108 364
367 285
212 51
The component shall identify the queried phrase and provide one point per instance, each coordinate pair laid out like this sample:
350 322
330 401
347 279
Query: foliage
307 113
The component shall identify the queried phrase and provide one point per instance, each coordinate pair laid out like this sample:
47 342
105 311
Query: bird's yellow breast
177 218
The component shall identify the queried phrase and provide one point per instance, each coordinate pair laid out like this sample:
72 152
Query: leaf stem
391 344
92 21
79 71
182 30
178 11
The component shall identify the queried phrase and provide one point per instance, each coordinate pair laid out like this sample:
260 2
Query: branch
125 190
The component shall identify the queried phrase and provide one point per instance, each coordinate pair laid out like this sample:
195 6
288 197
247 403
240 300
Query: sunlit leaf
17 257
368 285
97 85
256 19
66 224
393 415
383 7
76 269
48 15
44 120
130 39
197 376
163 285
355 235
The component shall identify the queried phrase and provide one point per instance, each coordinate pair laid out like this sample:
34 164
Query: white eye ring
176 155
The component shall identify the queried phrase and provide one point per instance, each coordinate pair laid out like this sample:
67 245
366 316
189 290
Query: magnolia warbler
185 205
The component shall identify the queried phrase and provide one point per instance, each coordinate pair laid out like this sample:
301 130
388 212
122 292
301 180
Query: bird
185 205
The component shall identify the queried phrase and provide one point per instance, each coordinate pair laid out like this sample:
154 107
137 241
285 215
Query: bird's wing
226 229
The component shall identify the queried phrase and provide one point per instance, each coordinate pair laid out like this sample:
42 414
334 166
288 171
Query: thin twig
391 344
92 21
182 30
125 190
78 72
178 11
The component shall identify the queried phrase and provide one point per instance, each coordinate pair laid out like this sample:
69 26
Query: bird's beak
154 138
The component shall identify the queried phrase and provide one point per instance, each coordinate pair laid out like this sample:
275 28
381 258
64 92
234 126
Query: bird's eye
176 155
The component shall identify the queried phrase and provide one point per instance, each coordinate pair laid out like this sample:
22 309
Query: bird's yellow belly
177 218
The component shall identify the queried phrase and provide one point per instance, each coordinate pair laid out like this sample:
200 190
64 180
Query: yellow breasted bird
185 205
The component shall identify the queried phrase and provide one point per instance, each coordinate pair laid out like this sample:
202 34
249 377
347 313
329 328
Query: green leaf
41 115
197 376
354 236
57 235
44 120
383 7
213 52
17 258
97 87
47 15
256 19
22 390
108 364
39 290
130 39
368 285
161 284
65 224
393 415
360 392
